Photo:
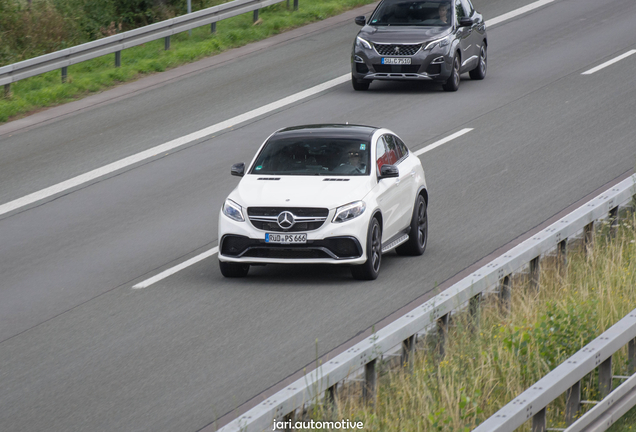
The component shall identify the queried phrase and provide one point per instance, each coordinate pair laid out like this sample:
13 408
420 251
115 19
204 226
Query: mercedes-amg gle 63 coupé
328 194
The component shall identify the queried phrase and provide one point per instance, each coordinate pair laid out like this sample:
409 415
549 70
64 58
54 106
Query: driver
443 12
355 160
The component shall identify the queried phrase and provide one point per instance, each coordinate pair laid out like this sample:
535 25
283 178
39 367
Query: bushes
45 26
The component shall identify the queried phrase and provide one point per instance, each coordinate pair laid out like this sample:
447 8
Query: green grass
99 74
486 368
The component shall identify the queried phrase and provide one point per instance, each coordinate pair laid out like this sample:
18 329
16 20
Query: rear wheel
359 85
479 73
371 268
234 270
452 83
418 233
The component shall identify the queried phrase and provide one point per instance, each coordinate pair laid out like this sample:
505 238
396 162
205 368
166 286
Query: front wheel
234 270
359 85
479 73
371 268
418 232
452 83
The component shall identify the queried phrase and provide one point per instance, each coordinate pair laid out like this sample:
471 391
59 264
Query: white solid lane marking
164 274
608 63
517 12
442 141
170 145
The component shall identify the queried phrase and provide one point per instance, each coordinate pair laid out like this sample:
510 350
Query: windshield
412 13
313 156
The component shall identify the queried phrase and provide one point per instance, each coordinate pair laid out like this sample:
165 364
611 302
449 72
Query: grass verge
487 365
99 74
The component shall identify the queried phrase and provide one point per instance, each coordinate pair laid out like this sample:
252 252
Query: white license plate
396 61
285 238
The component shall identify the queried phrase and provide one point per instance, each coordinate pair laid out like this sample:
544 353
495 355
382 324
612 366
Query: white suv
329 194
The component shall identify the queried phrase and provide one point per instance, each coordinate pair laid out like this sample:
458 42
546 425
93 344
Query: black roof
358 132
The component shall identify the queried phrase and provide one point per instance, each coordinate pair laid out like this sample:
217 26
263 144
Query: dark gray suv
435 40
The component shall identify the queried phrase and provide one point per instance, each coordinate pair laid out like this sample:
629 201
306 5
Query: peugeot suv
328 194
429 40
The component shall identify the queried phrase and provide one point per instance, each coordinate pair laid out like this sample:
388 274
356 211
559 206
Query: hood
300 191
402 34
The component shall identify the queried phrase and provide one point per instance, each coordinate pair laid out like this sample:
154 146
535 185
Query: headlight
233 211
442 43
349 211
363 43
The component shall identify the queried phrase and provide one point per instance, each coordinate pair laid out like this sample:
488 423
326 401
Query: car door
466 38
388 192
405 185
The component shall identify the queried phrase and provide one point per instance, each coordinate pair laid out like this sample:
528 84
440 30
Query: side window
394 148
468 7
402 146
459 9
381 153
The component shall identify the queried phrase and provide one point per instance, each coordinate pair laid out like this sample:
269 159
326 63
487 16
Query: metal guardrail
116 43
468 291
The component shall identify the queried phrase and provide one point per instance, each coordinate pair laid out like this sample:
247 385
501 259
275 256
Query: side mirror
360 20
466 22
389 171
238 169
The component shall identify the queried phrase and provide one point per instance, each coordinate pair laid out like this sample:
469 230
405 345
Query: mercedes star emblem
286 220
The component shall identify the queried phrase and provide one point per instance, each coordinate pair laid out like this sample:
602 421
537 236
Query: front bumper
332 243
426 65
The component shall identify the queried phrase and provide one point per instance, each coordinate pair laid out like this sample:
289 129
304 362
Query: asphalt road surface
80 349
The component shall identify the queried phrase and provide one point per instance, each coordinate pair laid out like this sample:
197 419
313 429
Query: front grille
397 50
306 218
334 247
380 68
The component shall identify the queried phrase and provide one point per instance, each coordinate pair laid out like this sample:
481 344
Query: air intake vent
268 178
336 179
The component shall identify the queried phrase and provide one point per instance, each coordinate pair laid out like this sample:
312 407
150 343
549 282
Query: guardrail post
7 91
605 377
572 402
442 331
562 256
539 422
535 273
631 356
295 5
213 27
166 43
118 59
588 237
255 15
474 310
370 378
613 216
408 352
332 397
505 294
64 74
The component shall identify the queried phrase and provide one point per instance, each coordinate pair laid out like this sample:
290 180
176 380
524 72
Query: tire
452 83
371 268
479 73
359 85
418 233
234 270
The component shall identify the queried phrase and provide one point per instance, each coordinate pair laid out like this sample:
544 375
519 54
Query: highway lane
162 357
